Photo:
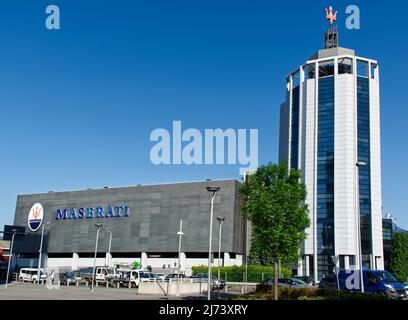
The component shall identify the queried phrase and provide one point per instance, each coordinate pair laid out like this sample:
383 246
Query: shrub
312 298
264 292
237 273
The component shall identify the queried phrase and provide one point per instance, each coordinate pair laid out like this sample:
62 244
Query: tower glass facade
294 149
363 129
325 176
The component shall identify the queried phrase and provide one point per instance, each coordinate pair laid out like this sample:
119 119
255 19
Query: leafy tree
399 257
274 203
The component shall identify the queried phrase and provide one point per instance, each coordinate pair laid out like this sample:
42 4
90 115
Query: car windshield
298 281
386 277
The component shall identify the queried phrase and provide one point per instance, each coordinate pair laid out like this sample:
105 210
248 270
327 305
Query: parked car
375 281
67 278
287 282
328 283
306 279
159 276
173 276
215 282
405 284
30 275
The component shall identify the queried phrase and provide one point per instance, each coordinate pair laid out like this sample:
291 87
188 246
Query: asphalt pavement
28 291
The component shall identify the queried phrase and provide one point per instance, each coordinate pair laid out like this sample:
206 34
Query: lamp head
213 189
221 219
361 164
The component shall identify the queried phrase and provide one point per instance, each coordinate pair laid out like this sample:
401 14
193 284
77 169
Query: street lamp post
109 248
221 221
10 255
214 190
98 226
40 251
360 255
180 234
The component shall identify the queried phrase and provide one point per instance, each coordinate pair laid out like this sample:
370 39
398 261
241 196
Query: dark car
173 276
328 283
67 278
306 279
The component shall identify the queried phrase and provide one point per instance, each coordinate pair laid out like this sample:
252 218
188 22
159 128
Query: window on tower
345 65
374 67
326 68
362 68
310 71
296 78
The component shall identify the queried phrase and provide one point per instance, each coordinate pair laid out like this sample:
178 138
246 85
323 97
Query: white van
30 275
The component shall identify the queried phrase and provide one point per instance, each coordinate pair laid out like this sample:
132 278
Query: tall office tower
330 129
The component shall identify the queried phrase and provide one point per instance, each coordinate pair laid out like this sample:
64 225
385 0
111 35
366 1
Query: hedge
265 292
256 273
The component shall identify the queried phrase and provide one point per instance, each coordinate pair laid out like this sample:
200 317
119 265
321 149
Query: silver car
287 282
405 284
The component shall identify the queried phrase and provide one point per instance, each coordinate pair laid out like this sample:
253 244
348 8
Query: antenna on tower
331 37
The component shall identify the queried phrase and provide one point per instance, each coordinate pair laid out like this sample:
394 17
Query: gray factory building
141 221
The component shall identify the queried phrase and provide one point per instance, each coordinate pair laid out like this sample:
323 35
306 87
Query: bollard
77 283
97 282
86 283
118 285
130 285
107 284
67 283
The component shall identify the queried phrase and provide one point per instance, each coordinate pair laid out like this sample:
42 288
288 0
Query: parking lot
27 291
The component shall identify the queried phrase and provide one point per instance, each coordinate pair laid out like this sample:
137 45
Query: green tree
399 257
274 203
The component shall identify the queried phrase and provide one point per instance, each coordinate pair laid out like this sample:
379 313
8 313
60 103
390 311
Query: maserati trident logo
330 15
35 217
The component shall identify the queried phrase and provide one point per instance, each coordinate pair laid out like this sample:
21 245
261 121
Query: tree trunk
275 281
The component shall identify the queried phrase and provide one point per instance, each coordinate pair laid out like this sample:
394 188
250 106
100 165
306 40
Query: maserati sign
35 217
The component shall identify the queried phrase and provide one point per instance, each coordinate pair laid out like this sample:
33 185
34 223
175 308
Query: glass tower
329 122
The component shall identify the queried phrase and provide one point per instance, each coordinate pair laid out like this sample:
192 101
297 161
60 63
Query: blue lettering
118 209
61 214
81 213
126 211
73 214
89 212
110 213
99 212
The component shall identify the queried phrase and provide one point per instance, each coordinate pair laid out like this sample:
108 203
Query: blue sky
78 104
